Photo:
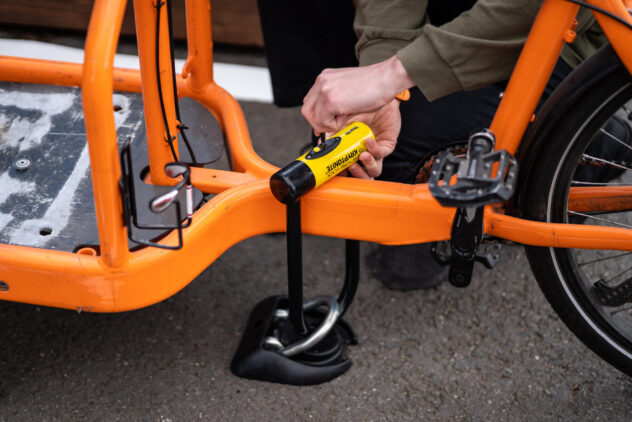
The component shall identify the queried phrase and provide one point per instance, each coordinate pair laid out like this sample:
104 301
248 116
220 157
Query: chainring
459 150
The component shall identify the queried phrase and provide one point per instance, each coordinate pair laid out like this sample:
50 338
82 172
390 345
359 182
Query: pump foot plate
323 362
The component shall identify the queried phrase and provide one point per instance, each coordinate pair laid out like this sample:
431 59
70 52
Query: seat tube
199 65
159 151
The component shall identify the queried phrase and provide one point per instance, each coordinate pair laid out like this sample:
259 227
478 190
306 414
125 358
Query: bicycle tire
559 272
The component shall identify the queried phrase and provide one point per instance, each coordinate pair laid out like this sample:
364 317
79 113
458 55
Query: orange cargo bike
576 228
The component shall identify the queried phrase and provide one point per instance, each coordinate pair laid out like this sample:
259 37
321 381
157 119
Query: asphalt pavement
493 351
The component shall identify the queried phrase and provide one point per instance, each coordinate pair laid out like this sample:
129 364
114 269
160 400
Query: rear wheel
583 175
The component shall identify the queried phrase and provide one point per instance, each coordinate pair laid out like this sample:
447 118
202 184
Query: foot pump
288 340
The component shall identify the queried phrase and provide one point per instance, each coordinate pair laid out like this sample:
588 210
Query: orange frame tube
376 211
602 198
145 13
98 109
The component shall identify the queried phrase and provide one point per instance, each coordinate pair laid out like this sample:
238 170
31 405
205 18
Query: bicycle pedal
489 256
484 177
440 252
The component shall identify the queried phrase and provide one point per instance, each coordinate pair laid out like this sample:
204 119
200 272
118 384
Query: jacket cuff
432 75
376 51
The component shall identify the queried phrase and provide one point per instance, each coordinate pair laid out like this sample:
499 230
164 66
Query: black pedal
440 252
488 253
469 182
260 354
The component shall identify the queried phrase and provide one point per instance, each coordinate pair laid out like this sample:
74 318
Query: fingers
322 102
371 162
341 121
318 117
356 170
372 166
337 93
317 114
374 149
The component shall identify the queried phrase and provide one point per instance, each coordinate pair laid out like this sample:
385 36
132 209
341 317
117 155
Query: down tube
364 210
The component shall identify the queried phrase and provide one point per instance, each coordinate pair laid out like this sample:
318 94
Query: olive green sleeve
477 48
384 27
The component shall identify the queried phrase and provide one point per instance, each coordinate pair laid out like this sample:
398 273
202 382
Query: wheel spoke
617 276
580 264
614 138
604 162
599 219
580 183
627 308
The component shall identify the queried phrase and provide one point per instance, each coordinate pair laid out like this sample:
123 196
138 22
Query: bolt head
22 164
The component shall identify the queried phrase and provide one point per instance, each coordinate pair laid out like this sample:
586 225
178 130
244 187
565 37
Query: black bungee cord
181 126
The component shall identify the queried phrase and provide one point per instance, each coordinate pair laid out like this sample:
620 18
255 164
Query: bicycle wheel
591 148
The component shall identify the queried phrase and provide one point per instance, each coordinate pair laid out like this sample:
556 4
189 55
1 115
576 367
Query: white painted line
25 133
246 83
58 213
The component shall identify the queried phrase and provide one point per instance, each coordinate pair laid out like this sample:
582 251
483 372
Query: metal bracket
158 204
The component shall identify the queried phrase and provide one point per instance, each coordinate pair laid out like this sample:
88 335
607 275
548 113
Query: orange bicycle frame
385 212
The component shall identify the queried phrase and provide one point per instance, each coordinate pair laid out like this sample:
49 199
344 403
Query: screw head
22 164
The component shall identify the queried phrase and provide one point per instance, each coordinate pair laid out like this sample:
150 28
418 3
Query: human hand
385 123
338 94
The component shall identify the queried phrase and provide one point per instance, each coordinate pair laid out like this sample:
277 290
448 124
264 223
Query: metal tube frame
389 213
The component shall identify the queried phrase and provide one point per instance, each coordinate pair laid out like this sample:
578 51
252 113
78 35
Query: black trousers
429 126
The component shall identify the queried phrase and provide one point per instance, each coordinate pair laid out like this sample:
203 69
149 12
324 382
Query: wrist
397 78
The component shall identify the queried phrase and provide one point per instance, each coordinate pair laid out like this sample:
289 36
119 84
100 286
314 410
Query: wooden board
234 21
